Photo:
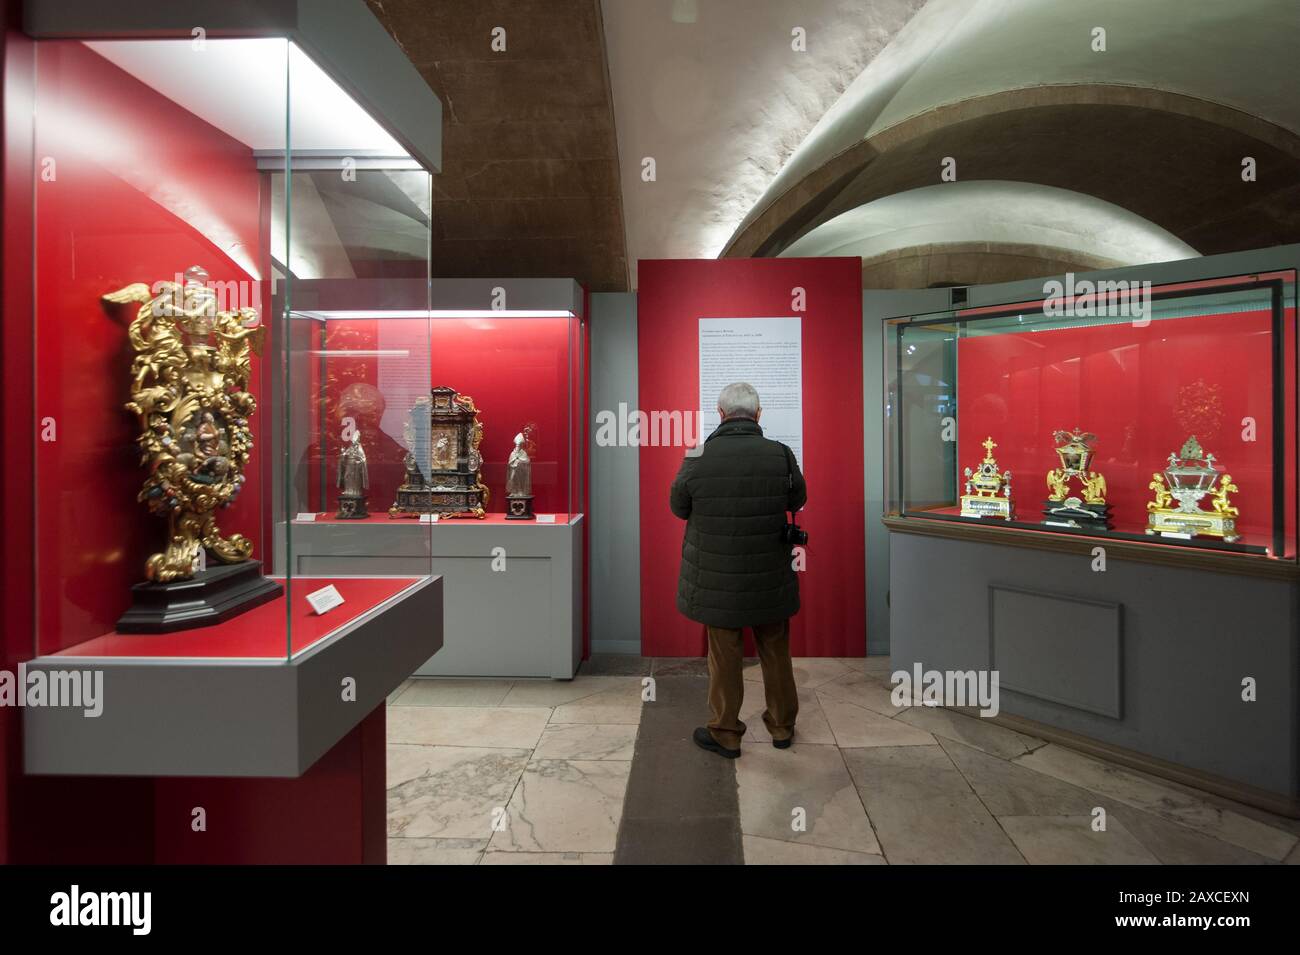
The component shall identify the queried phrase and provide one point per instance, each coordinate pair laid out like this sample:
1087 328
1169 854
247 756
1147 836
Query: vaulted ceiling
778 126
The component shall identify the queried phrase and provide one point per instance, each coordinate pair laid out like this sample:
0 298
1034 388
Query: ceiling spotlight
685 11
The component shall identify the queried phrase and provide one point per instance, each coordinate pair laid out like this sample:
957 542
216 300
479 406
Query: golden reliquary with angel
190 394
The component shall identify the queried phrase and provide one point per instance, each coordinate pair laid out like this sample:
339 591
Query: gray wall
1161 675
615 499
878 305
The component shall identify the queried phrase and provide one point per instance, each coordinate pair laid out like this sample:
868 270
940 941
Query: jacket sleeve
679 498
798 487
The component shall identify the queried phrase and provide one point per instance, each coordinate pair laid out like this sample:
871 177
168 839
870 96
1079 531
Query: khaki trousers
727 682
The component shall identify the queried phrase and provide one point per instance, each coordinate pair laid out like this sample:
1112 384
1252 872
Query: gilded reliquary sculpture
189 390
190 395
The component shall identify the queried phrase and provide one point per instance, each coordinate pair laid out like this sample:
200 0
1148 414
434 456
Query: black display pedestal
209 597
351 508
520 509
1074 513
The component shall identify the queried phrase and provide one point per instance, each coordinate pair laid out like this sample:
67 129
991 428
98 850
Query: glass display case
184 187
1162 416
466 414
467 400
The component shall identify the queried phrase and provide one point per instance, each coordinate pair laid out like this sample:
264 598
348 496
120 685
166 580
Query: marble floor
500 772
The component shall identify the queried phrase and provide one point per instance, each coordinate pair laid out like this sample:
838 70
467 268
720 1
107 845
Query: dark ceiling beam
530 183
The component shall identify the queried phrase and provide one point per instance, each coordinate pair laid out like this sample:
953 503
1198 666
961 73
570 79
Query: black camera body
792 535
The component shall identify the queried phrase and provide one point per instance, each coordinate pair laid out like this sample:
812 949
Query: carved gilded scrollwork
189 390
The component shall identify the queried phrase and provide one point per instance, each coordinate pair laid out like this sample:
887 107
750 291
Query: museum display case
1162 416
468 397
183 187
440 390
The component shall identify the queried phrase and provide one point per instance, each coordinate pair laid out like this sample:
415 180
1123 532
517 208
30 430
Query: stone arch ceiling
716 94
1158 124
994 213
756 144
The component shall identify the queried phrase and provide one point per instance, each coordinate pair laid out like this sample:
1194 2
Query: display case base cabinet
513 591
1144 658
263 718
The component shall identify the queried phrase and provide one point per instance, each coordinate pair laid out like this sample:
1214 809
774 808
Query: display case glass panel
502 374
1160 415
245 159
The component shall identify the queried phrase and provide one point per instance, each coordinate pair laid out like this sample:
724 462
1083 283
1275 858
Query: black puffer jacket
733 493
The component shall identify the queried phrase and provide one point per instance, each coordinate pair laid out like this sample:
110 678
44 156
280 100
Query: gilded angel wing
135 292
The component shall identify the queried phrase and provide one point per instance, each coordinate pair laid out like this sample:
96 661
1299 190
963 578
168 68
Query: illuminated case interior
1139 370
241 156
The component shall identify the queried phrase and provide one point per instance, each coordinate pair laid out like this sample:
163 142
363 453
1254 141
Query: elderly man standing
733 492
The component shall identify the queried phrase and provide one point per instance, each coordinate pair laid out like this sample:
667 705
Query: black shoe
783 743
704 740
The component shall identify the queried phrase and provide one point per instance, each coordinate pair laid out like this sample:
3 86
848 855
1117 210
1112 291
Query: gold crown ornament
988 490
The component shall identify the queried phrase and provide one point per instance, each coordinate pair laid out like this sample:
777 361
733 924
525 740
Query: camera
792 535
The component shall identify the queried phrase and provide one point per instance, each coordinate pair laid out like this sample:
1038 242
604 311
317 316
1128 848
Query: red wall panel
673 296
327 816
16 414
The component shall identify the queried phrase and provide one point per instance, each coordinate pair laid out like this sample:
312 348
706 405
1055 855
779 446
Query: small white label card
545 518
306 516
428 518
325 599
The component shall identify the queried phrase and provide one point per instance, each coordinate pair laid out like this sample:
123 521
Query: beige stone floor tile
1007 789
972 730
445 691
493 726
809 672
565 805
1173 803
861 689
856 726
810 725
1173 844
762 851
923 811
435 851
1071 840
628 690
857 664
1284 823
561 692
609 706
449 791
587 741
547 858
399 690
772 784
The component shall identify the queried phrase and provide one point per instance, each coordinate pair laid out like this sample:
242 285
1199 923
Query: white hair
738 398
